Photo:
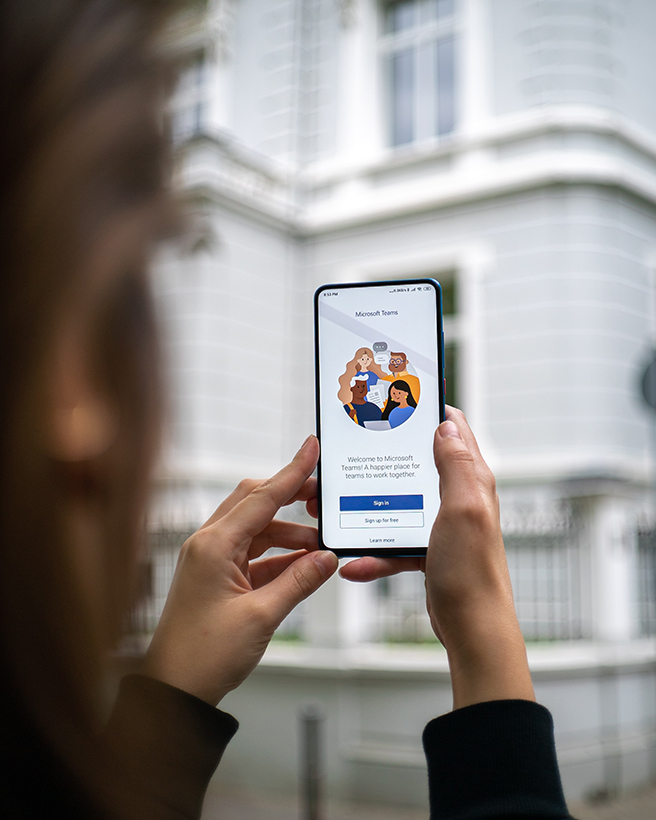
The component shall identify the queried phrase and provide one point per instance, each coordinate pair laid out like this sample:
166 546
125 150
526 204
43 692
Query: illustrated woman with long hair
362 364
400 404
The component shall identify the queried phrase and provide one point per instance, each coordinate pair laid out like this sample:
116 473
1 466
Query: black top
170 743
166 745
492 760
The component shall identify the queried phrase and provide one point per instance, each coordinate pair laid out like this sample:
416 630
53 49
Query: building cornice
585 470
492 133
570 659
496 180
337 194
218 168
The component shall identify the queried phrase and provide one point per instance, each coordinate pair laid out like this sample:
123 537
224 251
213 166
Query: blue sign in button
367 503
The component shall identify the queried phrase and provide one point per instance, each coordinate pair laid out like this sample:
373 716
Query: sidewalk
280 808
638 806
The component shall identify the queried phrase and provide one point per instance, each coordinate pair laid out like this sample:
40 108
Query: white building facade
508 149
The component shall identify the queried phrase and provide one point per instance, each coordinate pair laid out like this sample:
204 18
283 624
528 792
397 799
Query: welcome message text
361 467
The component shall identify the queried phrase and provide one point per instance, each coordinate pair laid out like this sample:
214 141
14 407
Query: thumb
454 461
298 582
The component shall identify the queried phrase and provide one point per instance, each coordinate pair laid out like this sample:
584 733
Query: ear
81 424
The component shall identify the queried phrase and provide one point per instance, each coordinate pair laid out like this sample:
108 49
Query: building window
189 104
418 55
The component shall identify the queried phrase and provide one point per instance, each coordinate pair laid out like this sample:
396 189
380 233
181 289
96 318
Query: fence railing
543 549
156 575
400 610
157 569
544 552
647 580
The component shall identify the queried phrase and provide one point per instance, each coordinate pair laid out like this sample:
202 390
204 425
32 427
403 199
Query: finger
307 491
370 568
267 569
459 419
287 535
252 514
246 487
455 463
485 476
312 507
296 583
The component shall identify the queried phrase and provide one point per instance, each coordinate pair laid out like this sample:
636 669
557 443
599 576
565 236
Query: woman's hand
468 592
224 606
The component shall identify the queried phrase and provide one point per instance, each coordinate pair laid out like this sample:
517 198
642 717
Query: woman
361 365
81 202
400 405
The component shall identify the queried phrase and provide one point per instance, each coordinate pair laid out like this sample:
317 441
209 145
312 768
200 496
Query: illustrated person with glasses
398 364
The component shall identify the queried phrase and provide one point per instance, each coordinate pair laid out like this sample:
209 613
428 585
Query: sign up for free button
352 521
370 511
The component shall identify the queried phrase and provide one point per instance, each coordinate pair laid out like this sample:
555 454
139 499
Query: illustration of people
359 409
361 365
400 403
398 364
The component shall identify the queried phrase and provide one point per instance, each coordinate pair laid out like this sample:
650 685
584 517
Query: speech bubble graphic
380 346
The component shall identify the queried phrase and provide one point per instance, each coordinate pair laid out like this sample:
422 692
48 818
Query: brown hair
352 369
82 164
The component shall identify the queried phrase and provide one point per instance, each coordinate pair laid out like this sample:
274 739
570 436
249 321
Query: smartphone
379 367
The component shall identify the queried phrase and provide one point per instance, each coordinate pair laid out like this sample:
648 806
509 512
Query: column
475 87
340 614
613 570
359 121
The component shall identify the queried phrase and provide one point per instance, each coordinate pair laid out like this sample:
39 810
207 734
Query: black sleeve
169 743
494 760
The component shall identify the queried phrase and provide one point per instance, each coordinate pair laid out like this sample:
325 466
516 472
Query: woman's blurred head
82 198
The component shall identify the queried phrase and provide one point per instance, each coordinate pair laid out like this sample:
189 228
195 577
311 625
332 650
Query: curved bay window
418 53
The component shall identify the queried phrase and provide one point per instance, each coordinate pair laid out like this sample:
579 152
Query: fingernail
449 430
326 561
306 442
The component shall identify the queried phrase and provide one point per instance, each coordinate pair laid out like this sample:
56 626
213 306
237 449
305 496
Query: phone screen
379 371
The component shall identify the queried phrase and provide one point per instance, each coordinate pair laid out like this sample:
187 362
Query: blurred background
508 149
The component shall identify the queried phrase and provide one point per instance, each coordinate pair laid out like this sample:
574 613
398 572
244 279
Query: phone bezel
380 552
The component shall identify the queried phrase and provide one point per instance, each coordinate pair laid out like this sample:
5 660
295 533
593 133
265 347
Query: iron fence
543 549
158 566
544 558
400 610
157 569
647 580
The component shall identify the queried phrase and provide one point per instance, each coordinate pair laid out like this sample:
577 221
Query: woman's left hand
224 606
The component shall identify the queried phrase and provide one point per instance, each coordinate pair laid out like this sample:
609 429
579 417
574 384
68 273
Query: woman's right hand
468 591
224 604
